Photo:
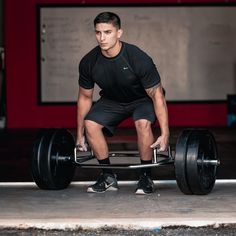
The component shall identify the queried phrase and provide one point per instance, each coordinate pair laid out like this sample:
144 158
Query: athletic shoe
145 185
105 182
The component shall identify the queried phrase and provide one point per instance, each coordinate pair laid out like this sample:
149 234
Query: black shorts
110 114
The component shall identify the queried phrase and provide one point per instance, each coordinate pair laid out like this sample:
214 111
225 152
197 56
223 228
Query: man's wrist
166 134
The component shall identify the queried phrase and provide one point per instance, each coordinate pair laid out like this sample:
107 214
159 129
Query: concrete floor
24 205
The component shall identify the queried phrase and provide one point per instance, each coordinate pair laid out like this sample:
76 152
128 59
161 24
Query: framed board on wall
193 48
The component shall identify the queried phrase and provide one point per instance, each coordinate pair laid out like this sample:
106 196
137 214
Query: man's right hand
81 145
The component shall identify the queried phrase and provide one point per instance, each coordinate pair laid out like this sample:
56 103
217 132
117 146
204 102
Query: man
130 87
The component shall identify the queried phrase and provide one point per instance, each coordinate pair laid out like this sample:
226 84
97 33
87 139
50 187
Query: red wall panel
21 74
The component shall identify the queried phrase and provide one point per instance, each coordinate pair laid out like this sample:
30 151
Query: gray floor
25 206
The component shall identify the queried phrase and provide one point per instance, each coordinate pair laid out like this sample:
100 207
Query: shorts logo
125 68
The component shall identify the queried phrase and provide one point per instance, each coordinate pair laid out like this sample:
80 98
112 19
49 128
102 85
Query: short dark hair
108 17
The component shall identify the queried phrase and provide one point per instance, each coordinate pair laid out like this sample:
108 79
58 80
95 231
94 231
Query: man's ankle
146 171
106 161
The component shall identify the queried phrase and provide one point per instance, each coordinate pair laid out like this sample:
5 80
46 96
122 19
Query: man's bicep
149 74
85 78
85 93
154 91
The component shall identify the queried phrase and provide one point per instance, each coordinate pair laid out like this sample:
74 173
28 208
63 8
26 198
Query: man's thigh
107 113
144 109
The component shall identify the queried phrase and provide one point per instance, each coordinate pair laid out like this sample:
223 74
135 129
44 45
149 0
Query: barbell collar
61 158
208 162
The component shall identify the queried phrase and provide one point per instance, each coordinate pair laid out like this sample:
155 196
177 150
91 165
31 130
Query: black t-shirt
123 78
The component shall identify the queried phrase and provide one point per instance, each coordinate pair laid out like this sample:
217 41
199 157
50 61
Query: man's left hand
161 143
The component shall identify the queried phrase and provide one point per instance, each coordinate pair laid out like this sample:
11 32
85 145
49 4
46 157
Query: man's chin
104 48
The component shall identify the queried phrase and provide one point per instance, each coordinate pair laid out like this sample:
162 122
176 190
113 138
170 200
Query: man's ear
120 32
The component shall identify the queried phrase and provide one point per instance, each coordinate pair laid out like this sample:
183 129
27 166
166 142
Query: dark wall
2 77
1 23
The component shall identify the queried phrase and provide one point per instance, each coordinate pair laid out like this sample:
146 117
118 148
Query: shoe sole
111 188
141 192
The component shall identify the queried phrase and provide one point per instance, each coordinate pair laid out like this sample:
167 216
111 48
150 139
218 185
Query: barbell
195 160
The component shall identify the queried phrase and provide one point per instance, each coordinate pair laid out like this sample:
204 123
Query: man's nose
102 37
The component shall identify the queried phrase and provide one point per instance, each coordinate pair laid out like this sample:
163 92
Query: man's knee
143 125
92 127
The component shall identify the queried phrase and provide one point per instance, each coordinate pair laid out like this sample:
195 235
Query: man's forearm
160 108
162 115
83 107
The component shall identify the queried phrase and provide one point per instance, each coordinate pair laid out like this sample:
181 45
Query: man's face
107 35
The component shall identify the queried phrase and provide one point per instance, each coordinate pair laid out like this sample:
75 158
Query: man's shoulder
91 55
135 50
136 56
132 47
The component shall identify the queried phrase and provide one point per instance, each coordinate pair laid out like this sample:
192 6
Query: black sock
146 171
105 162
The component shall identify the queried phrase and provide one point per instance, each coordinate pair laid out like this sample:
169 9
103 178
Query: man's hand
81 145
161 143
